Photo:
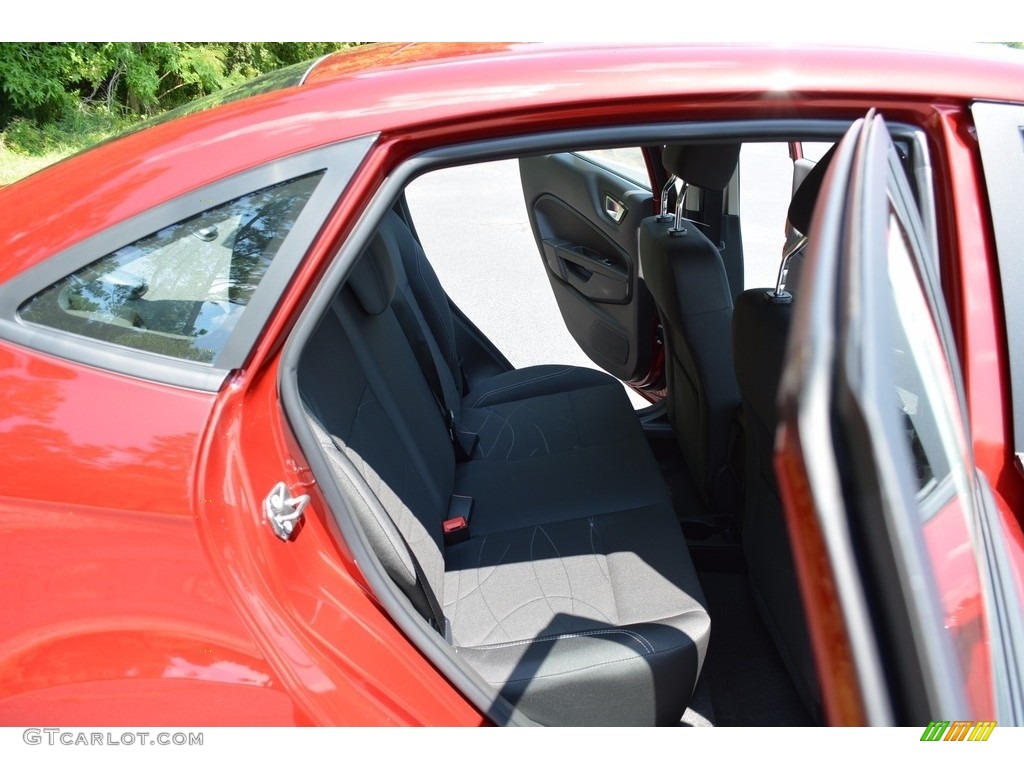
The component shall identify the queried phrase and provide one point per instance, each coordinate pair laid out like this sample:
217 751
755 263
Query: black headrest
373 277
801 208
708 166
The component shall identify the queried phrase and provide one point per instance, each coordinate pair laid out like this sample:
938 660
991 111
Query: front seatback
687 277
760 330
760 323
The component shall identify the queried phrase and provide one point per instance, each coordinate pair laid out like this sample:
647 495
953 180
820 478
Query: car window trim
339 163
1000 131
898 547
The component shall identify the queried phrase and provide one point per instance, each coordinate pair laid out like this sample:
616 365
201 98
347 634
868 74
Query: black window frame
339 163
1000 131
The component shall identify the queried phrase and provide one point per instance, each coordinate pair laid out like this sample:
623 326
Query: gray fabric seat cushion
596 620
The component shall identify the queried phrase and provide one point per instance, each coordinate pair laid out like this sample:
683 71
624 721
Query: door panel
585 220
874 454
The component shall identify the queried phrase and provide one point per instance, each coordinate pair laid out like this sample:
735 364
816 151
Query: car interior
591 562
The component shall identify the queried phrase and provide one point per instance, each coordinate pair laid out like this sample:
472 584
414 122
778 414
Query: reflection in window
929 407
924 387
627 162
178 292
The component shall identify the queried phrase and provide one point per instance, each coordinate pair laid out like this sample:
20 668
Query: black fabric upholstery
373 278
687 278
421 281
395 487
708 166
760 330
574 594
546 409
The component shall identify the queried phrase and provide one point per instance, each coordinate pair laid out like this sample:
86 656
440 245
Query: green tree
44 82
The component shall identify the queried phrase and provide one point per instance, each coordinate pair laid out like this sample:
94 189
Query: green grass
15 166
27 146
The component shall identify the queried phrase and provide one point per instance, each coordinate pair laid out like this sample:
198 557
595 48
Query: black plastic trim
1001 140
339 161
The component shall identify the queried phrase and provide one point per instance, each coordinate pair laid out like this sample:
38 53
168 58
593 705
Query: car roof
391 88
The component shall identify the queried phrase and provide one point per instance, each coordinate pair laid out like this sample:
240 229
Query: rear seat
574 593
521 413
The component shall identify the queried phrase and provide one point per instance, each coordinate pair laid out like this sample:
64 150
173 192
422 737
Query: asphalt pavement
473 225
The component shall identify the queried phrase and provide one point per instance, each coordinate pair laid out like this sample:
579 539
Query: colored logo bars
958 730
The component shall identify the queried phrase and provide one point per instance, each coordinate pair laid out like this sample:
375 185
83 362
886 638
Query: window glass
180 291
815 150
627 162
474 228
766 187
927 406
925 394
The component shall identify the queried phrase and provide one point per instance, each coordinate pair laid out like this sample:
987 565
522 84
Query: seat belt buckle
455 529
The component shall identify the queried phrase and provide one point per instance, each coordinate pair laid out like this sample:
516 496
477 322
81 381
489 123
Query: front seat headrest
708 166
801 207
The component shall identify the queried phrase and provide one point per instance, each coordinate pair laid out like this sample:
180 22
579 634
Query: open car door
886 511
585 218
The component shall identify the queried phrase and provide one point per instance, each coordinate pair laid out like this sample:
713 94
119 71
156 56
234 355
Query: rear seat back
358 379
417 283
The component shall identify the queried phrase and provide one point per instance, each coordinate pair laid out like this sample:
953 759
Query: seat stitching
526 603
518 384
575 671
644 642
547 448
600 557
603 616
536 576
480 583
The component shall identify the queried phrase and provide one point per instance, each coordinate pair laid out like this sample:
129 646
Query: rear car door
585 216
885 508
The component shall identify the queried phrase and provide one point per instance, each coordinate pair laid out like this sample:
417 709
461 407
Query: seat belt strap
437 618
428 366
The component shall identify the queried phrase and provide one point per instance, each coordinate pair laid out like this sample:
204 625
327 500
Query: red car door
890 520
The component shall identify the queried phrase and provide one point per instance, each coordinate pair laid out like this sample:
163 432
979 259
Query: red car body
143 587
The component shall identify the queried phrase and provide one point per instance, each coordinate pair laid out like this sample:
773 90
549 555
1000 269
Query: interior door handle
593 274
614 209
